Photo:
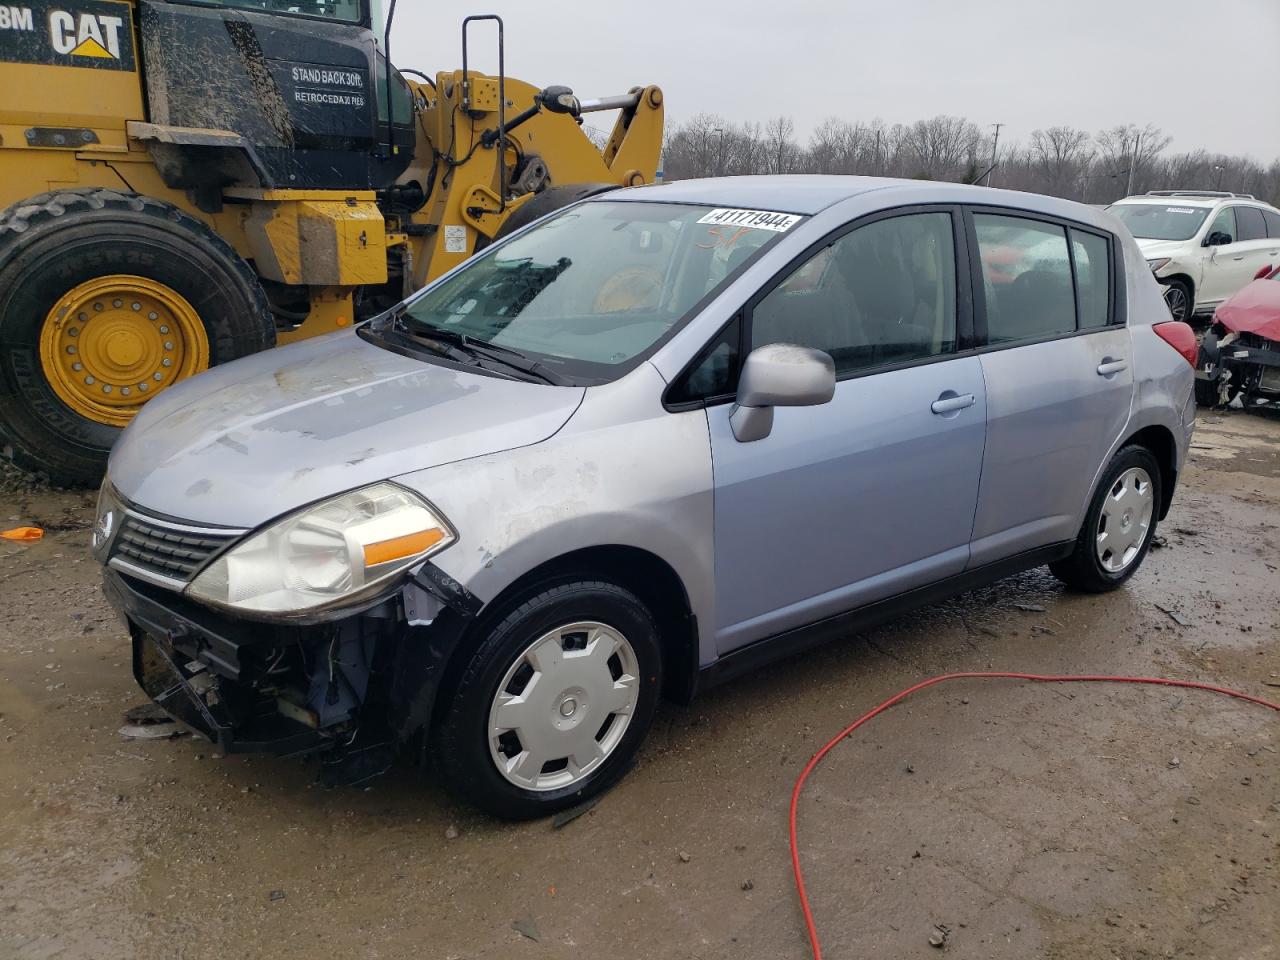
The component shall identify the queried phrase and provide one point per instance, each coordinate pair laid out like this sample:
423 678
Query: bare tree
1058 160
778 135
1060 156
1129 152
942 148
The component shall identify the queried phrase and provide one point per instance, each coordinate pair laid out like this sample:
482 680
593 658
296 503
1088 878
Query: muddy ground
1061 822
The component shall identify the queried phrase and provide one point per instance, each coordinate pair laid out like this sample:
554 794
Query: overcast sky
1206 71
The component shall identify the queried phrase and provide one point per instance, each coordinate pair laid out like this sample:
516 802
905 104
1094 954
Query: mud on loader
189 181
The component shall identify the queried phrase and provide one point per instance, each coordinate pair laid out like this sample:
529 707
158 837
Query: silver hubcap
1125 519
1177 301
563 706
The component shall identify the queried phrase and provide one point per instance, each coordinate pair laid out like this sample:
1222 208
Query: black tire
1177 296
1083 570
460 744
56 241
548 201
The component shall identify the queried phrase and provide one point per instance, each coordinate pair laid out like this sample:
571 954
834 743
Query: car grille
173 551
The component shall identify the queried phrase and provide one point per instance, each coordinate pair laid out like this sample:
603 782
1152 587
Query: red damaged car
1240 353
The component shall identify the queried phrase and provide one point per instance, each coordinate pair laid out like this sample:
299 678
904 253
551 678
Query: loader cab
300 83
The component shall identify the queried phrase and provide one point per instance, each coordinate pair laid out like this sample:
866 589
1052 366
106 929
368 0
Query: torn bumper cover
355 688
1239 363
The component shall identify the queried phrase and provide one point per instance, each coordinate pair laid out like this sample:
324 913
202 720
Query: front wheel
554 703
1118 527
1177 296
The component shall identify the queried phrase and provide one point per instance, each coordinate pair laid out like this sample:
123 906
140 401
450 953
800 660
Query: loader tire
548 201
107 298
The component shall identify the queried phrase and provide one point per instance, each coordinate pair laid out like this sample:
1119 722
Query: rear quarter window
1092 255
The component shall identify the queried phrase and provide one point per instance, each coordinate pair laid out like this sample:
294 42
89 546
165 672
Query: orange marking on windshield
721 239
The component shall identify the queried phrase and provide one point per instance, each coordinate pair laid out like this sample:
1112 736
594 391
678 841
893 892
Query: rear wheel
107 299
1118 527
554 703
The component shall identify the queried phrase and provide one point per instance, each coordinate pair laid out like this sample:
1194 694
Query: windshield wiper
497 353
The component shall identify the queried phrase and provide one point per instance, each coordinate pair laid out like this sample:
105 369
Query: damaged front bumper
355 688
1239 364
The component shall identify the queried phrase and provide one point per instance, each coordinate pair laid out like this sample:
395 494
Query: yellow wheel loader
185 182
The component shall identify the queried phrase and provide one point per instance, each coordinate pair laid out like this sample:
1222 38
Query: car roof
809 194
1194 200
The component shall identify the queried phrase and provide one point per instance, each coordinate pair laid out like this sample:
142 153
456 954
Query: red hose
899 697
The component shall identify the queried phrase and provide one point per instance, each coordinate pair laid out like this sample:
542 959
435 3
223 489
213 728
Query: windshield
1154 221
595 287
347 11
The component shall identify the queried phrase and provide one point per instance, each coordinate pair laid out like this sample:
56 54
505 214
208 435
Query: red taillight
1181 337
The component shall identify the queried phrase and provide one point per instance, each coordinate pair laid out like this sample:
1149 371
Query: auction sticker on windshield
758 219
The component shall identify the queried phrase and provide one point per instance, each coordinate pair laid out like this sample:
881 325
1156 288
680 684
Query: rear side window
1026 273
1092 256
1250 224
1272 220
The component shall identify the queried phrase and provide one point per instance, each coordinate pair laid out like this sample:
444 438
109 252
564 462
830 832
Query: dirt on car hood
250 440
1255 309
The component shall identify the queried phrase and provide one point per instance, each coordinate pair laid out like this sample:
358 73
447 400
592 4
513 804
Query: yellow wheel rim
114 342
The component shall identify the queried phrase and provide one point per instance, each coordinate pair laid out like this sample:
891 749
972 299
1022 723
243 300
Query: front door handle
951 404
1109 367
1241 257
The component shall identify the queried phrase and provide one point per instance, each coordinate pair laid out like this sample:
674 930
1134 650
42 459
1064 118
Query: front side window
1157 221
1224 223
594 287
883 293
400 94
1026 277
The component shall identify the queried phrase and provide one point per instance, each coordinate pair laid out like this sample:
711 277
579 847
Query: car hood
1160 248
1255 309
250 440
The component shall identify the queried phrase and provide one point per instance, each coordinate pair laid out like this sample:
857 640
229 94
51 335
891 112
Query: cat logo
85 34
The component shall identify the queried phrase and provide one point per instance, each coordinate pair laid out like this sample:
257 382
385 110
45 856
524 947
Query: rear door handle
951 404
1108 368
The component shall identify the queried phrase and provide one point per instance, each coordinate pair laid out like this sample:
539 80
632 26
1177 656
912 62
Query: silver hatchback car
652 440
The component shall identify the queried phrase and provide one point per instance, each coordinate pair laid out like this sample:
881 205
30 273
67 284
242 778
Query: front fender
611 477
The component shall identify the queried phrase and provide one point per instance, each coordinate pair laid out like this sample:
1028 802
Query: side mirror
779 375
1217 239
1264 272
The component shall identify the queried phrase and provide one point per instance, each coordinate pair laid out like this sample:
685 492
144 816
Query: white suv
1202 245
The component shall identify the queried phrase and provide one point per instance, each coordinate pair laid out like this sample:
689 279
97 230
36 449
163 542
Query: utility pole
880 168
995 142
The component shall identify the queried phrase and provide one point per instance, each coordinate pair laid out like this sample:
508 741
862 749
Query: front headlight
1158 263
106 520
334 553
